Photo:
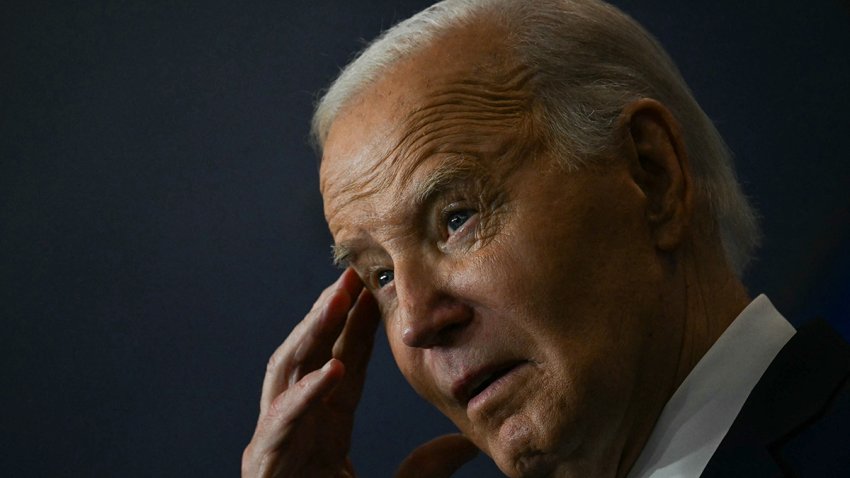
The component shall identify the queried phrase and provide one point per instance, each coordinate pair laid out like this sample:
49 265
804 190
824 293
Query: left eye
456 219
385 277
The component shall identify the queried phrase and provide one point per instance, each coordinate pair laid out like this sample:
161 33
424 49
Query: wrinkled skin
309 396
555 271
579 289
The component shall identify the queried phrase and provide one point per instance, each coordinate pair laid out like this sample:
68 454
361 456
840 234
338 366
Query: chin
528 463
522 449
531 466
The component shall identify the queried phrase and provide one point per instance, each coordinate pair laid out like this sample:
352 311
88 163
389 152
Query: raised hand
312 385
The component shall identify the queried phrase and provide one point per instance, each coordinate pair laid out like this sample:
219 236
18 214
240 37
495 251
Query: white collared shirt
701 411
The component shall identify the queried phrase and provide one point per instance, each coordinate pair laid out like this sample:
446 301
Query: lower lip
501 385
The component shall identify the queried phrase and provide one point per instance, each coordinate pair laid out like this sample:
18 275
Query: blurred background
161 229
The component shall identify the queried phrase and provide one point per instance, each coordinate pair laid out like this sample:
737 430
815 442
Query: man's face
518 298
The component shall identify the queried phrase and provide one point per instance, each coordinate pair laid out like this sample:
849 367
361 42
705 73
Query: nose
431 311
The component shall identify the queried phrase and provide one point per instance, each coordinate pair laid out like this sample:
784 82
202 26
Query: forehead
463 96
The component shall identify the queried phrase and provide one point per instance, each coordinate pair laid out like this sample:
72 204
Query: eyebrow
454 169
343 255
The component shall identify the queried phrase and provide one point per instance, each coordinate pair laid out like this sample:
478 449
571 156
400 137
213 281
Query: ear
658 163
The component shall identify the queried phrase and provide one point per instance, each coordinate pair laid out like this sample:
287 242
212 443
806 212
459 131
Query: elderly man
550 229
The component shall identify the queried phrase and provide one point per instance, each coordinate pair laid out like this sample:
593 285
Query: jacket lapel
791 394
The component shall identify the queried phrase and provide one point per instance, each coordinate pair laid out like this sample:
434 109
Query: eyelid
467 227
371 276
455 208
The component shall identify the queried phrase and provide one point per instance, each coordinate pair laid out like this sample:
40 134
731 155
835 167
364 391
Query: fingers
439 458
310 343
354 348
288 407
280 432
308 400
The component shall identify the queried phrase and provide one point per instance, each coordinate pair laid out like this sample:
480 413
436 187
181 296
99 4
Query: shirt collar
701 411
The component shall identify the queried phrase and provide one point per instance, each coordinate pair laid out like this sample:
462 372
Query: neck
703 298
714 297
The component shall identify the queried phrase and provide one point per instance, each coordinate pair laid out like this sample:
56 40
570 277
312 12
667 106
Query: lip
477 381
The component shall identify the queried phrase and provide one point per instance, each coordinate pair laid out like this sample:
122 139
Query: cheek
410 363
492 279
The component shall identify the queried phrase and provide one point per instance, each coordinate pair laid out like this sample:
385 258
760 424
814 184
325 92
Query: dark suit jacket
796 421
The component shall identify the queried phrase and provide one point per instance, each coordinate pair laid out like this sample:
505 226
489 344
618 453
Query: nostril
451 329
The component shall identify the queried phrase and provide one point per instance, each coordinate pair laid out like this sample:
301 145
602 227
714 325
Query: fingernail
327 366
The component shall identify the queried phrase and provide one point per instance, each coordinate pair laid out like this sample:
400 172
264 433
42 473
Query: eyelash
447 217
451 210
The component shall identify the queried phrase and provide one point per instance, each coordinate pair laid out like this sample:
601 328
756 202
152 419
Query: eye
456 219
384 277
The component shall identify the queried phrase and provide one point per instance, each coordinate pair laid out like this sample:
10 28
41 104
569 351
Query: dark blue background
161 229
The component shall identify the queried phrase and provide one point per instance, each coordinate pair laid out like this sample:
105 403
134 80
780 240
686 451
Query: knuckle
246 454
278 363
280 407
272 364
255 463
248 464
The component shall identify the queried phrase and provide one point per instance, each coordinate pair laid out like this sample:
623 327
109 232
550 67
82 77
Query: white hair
589 60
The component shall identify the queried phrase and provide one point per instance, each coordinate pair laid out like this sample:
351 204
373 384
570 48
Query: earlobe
658 163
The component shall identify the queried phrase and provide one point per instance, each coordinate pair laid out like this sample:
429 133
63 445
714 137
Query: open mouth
477 384
488 380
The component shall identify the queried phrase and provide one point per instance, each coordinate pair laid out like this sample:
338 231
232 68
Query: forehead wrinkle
461 117
511 83
367 185
457 134
464 111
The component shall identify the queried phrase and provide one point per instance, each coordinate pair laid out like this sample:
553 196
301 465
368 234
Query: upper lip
469 385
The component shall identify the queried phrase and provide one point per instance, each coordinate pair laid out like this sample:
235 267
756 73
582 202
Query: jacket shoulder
796 421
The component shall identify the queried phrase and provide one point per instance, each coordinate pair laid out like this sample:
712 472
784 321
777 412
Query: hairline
716 183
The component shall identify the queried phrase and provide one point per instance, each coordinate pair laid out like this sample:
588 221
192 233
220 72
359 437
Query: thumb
438 458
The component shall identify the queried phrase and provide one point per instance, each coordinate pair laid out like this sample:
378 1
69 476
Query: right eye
384 277
456 219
